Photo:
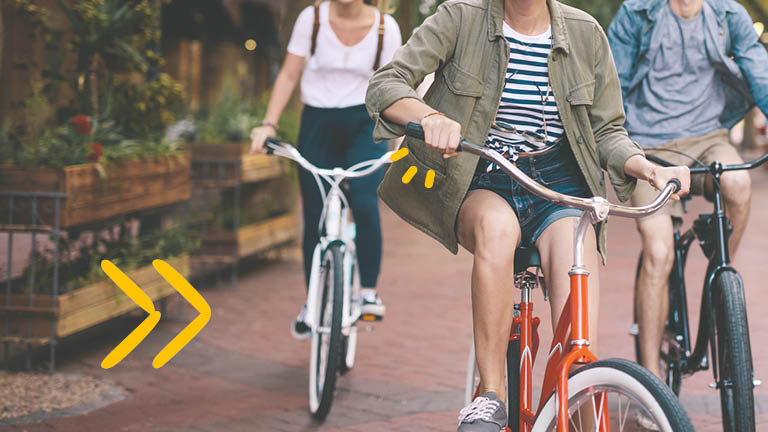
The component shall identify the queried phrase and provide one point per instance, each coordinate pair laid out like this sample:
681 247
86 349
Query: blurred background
123 135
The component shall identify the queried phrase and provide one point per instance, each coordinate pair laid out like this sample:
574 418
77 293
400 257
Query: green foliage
113 40
144 110
110 36
80 264
233 118
230 119
603 10
36 18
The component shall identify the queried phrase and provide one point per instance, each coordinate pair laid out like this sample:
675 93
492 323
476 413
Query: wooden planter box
82 308
206 171
129 186
219 245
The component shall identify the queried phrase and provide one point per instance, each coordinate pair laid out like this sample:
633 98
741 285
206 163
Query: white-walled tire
637 399
325 357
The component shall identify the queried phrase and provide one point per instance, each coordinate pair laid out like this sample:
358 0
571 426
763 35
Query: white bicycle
333 296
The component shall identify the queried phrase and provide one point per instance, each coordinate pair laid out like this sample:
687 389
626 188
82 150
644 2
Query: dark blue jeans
342 137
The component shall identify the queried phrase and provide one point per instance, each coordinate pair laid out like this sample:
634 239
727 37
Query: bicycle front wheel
734 355
620 392
327 339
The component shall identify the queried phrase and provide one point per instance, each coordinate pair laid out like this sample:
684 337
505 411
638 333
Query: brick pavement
245 373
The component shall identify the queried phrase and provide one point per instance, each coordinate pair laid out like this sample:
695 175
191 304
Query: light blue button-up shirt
732 45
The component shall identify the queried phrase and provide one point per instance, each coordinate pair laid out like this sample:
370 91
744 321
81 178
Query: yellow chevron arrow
140 298
195 299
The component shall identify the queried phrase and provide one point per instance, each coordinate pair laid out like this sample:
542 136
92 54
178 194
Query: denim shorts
556 170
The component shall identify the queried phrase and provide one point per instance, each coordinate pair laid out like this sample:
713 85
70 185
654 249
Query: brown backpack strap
380 46
315 29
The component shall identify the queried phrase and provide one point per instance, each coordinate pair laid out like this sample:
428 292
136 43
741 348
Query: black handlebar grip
414 130
677 184
269 142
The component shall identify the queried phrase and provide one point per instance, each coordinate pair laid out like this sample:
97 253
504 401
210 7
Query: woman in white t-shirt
335 48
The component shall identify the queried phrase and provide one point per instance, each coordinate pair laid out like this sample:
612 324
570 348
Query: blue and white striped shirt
527 100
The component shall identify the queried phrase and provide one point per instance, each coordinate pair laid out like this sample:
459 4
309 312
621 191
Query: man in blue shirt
689 70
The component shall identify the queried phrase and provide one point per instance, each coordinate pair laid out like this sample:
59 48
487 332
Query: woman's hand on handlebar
442 134
259 136
660 176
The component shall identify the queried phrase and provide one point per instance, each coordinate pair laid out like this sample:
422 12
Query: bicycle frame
678 322
568 347
334 227
572 331
336 230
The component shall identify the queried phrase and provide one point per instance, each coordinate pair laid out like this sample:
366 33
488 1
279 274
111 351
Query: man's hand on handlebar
441 134
663 175
259 136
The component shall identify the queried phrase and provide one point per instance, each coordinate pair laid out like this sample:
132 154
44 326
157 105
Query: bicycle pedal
370 318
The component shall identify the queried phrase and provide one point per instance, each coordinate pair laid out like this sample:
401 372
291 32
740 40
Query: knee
658 257
495 239
737 188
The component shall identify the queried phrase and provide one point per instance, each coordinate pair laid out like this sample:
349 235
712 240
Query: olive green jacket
463 43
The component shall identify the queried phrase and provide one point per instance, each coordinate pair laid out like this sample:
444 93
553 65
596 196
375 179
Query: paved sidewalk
245 373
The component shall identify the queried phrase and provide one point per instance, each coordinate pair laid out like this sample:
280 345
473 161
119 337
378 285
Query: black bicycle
723 324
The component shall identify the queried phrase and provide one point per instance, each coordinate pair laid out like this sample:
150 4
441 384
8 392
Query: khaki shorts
715 146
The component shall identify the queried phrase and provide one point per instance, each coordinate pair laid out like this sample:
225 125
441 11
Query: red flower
96 152
82 124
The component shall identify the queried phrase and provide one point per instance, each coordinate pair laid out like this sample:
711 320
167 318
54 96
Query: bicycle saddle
526 257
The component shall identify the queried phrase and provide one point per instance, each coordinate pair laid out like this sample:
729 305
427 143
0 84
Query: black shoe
299 329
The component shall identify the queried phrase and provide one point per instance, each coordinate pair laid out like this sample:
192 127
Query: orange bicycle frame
570 346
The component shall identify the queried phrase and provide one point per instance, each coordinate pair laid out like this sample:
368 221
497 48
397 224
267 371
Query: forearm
281 94
639 167
407 110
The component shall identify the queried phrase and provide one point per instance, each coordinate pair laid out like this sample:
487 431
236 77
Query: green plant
144 110
110 36
80 263
232 118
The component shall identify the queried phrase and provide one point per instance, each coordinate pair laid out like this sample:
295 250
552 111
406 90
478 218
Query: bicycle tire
671 369
513 385
322 383
349 344
734 356
348 351
647 391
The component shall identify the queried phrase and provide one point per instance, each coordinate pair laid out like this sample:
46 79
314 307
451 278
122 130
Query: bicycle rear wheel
326 341
636 400
734 355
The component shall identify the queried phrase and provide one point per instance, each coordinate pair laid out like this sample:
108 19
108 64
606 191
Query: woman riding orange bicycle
535 81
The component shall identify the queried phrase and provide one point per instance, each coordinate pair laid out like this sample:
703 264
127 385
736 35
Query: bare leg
556 249
652 301
488 228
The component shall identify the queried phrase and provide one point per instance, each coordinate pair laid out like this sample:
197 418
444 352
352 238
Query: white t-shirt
337 75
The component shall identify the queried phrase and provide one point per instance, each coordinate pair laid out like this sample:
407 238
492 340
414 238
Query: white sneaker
371 304
299 329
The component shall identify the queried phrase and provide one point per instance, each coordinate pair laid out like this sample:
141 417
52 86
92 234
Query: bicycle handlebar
362 169
598 204
712 168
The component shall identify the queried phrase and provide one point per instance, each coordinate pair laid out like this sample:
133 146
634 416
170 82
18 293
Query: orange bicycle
603 395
